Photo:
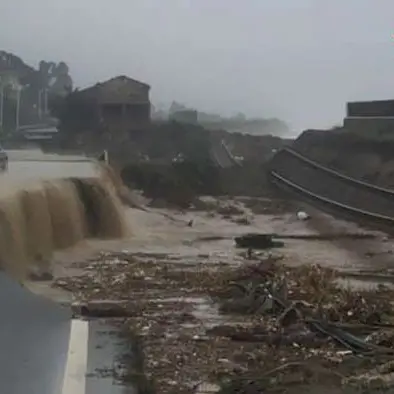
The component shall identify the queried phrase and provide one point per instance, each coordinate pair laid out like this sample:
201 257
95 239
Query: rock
301 215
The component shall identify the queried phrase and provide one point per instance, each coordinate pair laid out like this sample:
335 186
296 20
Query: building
37 133
120 101
370 117
188 116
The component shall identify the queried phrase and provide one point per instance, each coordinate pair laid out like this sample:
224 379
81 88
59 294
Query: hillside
37 87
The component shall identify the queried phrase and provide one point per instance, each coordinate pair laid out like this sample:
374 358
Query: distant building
37 132
370 117
368 109
185 116
120 101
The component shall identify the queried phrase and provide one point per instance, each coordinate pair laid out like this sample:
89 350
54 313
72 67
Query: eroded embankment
37 219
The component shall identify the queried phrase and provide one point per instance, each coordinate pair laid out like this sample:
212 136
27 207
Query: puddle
363 284
204 310
105 351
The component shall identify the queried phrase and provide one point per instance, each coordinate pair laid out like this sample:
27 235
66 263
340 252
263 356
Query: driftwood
257 241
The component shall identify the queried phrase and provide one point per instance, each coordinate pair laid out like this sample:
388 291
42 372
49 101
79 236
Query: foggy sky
299 60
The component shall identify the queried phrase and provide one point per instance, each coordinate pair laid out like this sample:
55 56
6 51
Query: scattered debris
279 327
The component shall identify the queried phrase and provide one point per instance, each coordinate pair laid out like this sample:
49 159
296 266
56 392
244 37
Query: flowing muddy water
50 203
46 205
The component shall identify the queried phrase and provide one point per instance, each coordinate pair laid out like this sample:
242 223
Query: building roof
125 79
120 89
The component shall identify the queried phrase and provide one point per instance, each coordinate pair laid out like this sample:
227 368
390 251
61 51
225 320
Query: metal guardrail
223 157
333 204
337 174
280 181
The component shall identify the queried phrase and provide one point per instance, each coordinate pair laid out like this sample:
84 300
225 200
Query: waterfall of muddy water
53 204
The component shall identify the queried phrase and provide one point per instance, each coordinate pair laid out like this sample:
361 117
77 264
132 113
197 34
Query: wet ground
212 238
165 238
161 235
171 309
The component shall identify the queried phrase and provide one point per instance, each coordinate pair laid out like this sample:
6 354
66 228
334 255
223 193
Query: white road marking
77 358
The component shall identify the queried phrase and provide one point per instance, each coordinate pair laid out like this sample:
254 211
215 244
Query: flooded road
48 352
44 350
26 167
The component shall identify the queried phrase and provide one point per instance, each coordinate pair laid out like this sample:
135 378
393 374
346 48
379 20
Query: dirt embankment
162 142
180 184
175 162
368 158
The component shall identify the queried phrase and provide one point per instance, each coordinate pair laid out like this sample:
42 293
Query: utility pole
18 105
39 104
1 103
46 101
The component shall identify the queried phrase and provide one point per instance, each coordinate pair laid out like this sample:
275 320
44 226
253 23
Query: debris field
257 326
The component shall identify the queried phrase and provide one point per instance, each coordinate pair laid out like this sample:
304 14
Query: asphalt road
43 353
34 341
42 349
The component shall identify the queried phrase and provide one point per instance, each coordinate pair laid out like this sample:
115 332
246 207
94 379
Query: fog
299 60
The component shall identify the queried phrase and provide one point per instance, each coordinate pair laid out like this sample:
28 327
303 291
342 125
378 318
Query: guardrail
279 180
337 174
330 189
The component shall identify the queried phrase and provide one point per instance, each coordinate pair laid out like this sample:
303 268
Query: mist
297 60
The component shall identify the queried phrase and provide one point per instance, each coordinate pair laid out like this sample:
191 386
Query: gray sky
299 60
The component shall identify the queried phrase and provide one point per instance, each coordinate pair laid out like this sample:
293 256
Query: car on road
3 159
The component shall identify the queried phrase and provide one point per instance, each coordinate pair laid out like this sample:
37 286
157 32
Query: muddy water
52 202
43 207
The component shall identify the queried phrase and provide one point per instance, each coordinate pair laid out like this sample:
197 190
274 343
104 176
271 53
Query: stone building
119 102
